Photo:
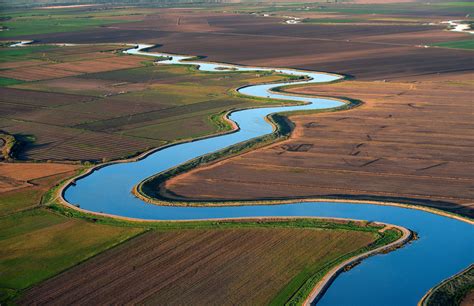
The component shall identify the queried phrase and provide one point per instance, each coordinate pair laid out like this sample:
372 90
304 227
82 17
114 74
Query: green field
36 243
30 26
23 54
33 21
153 104
8 81
459 44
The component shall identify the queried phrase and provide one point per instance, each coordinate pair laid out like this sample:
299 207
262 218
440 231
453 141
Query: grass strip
452 290
151 188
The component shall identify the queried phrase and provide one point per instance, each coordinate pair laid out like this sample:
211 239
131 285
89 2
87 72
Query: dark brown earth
201 267
409 140
366 51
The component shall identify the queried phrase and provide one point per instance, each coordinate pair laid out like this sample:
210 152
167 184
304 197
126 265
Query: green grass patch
23 26
459 44
37 244
15 54
451 291
8 81
13 201
301 285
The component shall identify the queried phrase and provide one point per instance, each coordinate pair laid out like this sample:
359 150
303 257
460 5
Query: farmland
141 105
61 241
36 243
206 266
73 99
378 143
461 44
148 106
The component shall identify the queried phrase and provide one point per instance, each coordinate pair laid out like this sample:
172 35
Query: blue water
401 277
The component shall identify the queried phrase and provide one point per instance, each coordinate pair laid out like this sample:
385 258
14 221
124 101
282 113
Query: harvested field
62 143
39 98
396 50
155 117
72 68
410 140
91 87
11 65
35 73
22 174
218 267
100 64
22 185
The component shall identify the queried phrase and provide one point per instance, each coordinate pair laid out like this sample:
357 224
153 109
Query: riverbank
371 152
88 194
451 291
326 281
228 253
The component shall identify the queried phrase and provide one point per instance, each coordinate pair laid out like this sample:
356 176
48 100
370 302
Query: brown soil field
14 176
39 98
101 64
409 140
24 184
9 65
468 299
207 267
394 49
28 72
64 143
35 73
83 86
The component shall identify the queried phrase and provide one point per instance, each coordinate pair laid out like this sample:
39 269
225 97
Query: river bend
401 277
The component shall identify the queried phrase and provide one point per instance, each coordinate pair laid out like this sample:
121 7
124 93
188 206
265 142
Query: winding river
402 277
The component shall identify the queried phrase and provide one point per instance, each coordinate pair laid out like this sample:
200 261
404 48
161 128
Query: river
402 277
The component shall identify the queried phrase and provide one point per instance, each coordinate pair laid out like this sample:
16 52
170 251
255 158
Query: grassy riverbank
56 95
298 286
42 238
152 189
451 291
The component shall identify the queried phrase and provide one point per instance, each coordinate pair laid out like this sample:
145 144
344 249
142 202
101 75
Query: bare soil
396 50
468 299
410 140
218 267
17 175
28 71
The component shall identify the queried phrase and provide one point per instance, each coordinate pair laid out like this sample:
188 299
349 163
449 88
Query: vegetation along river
401 277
